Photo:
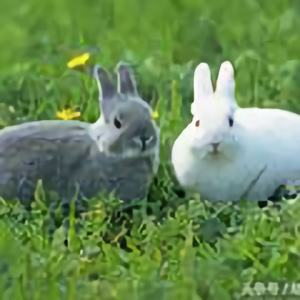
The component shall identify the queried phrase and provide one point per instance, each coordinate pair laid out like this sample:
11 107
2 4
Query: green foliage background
180 248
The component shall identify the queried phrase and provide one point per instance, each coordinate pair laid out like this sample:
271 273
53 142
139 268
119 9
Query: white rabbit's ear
107 89
126 80
203 89
226 84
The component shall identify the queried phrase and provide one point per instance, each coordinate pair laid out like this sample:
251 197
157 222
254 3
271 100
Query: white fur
256 155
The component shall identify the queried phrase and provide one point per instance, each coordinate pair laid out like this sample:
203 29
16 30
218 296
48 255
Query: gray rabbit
118 154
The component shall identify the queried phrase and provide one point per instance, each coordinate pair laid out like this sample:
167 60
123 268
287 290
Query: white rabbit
230 153
119 153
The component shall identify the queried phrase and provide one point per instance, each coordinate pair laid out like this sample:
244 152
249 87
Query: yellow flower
155 114
80 60
67 114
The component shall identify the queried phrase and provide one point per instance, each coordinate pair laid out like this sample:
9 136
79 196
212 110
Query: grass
170 247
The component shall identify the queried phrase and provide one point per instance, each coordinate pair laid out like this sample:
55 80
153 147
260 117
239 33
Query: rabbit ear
202 85
126 80
127 84
225 82
107 90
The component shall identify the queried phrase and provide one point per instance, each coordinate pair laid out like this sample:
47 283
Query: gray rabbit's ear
107 92
107 89
126 80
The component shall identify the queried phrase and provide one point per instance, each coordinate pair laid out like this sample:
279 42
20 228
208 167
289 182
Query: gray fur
99 157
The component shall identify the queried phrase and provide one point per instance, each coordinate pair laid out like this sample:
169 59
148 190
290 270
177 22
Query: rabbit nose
215 146
144 140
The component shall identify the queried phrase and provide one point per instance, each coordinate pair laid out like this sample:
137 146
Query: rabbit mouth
134 153
215 148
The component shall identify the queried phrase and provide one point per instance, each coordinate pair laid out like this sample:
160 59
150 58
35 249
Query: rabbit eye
197 124
230 121
117 123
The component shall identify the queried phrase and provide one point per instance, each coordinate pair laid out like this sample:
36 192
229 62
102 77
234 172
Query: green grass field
170 247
